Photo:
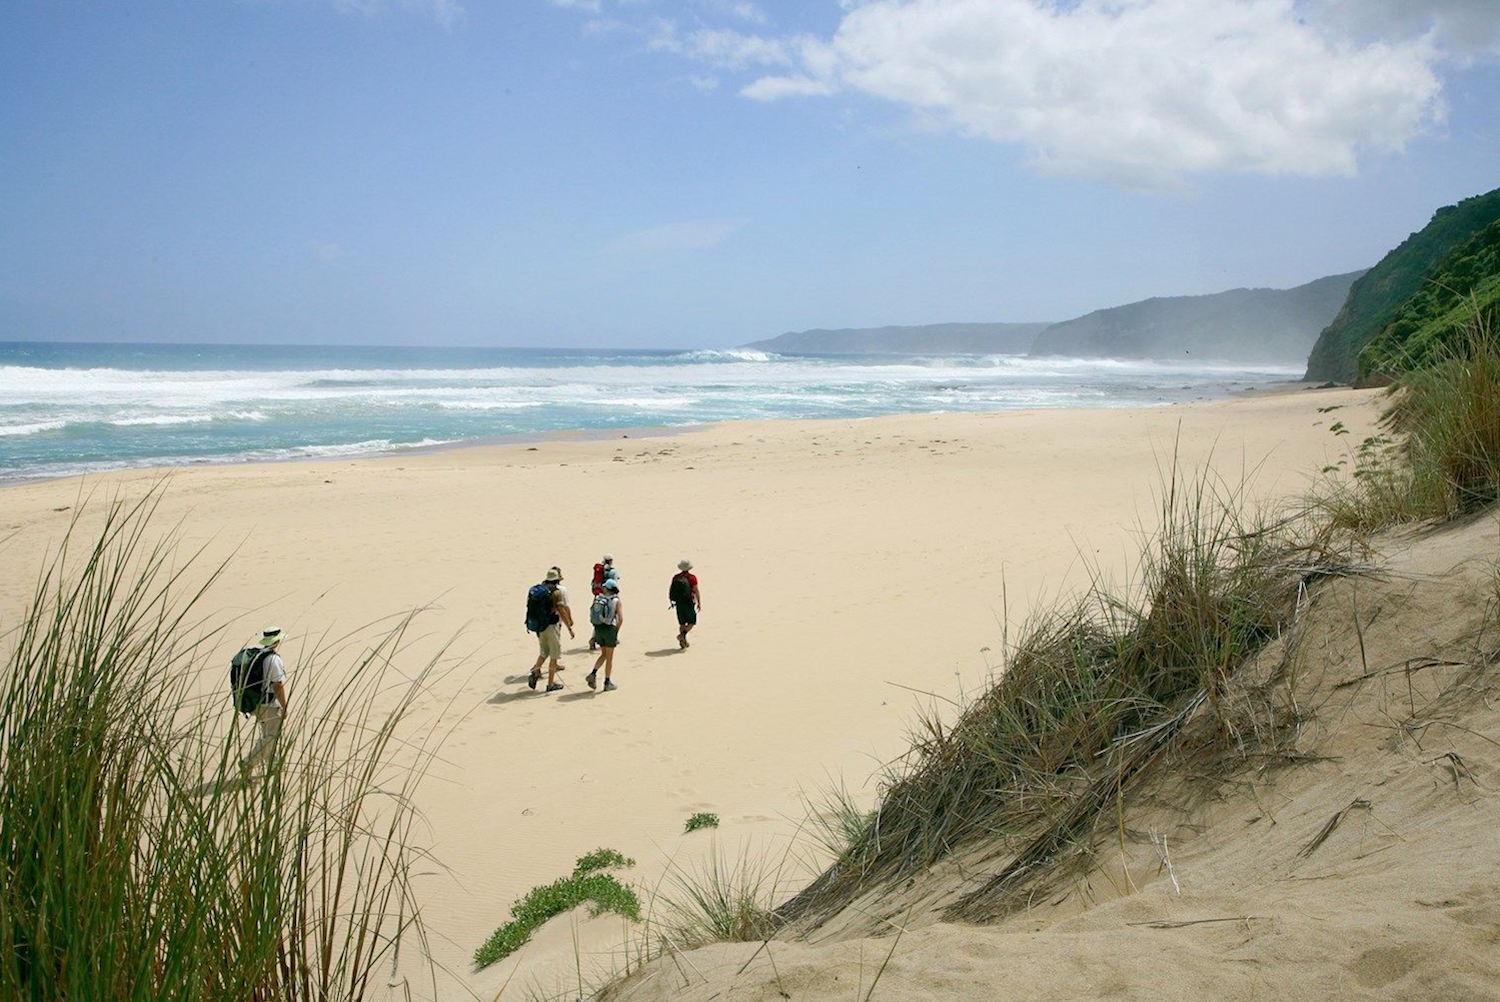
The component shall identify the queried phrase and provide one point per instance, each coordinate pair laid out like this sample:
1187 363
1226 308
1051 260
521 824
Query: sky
703 173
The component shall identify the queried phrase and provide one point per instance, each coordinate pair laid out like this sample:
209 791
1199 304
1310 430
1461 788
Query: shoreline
157 466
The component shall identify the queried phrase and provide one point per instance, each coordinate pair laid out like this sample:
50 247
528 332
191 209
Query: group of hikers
548 613
257 675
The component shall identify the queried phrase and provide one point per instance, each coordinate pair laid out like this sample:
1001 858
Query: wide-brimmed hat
271 636
608 559
554 574
684 565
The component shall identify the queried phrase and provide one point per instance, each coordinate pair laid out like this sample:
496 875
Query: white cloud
675 237
1142 92
592 6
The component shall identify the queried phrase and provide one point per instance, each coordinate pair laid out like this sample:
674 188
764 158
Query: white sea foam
33 428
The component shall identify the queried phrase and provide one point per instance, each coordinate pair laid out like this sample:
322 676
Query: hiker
608 615
267 693
683 595
602 570
547 613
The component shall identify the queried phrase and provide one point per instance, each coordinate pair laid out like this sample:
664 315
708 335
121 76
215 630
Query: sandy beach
847 567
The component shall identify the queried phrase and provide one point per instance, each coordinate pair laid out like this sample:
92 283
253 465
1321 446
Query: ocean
70 409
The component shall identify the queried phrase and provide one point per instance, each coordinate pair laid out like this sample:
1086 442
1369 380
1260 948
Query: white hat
554 574
270 636
608 559
684 564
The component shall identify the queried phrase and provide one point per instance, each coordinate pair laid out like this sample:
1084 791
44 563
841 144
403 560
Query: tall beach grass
140 861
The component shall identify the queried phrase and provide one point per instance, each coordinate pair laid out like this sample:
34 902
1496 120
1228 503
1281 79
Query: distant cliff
1375 299
965 339
1241 325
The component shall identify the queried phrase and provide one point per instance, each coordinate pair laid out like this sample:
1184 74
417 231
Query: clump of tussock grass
587 884
720 900
1089 693
129 877
1441 458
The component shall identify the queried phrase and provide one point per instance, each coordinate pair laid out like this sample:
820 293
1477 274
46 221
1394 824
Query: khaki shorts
549 641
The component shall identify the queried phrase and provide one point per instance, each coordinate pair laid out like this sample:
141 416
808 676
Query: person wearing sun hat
549 637
271 712
683 596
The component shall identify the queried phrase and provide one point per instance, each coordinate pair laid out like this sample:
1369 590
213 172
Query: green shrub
586 884
703 819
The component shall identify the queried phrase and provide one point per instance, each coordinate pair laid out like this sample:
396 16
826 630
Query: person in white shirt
272 710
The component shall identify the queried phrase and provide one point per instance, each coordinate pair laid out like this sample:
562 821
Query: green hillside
1467 277
1374 299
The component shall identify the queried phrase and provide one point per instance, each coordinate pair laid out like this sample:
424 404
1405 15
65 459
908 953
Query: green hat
271 636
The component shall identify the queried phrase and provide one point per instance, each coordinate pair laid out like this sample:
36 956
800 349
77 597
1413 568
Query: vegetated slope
1351 858
966 339
1242 325
1375 298
1466 280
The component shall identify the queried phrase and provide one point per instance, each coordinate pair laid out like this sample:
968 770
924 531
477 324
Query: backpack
602 612
599 571
681 591
539 608
247 678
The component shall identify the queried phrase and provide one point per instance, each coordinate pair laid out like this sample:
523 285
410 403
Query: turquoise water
67 409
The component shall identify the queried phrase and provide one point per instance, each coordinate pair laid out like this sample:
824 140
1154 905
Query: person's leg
268 719
609 662
593 674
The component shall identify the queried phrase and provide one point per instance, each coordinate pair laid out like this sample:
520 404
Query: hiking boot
531 679
554 686
609 686
682 641
593 646
592 677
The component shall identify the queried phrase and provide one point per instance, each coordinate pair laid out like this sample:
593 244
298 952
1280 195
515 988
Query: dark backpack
539 608
681 591
247 678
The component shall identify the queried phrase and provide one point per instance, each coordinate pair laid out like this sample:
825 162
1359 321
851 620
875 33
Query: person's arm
697 598
619 615
280 690
566 615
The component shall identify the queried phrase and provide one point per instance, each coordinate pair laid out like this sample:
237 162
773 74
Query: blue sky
708 172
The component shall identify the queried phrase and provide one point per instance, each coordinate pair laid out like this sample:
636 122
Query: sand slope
1399 899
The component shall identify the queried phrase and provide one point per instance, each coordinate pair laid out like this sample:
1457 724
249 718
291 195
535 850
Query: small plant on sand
587 884
703 819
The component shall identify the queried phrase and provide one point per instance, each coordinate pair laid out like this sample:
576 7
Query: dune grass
1441 456
139 862
1037 751
723 899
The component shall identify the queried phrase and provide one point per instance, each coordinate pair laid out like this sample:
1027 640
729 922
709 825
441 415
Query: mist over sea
67 409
